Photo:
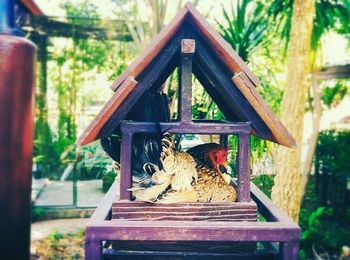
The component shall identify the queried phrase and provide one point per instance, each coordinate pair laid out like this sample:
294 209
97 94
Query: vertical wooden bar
125 166
289 250
243 181
17 66
185 80
224 140
93 249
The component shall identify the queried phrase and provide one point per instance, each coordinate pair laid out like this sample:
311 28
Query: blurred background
83 46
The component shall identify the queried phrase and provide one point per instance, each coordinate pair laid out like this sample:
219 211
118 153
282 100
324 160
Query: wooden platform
140 211
111 238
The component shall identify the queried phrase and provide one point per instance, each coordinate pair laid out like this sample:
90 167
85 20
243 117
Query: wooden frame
190 43
277 228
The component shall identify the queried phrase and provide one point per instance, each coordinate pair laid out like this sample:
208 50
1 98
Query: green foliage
94 162
313 229
203 107
330 15
264 183
332 95
245 26
327 228
333 149
311 223
56 235
61 246
107 180
37 213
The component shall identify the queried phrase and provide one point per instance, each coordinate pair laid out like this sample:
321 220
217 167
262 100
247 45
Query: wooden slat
280 133
185 211
133 217
175 205
220 46
118 97
181 210
152 49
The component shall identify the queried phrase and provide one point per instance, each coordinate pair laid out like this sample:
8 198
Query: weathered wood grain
152 49
280 133
118 97
184 211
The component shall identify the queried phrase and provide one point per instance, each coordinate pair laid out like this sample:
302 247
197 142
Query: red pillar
17 59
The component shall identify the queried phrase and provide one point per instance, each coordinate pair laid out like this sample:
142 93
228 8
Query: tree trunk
286 191
316 118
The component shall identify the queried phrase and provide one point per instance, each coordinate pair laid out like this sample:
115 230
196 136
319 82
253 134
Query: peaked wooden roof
242 78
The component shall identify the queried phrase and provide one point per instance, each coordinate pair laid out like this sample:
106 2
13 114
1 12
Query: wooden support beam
243 182
185 80
126 165
189 128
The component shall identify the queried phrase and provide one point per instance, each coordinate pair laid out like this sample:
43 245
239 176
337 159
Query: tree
329 15
286 192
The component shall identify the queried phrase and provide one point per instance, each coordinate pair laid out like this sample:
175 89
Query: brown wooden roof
246 81
32 7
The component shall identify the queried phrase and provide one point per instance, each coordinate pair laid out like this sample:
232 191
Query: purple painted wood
185 80
289 250
267 208
93 246
136 204
185 211
93 249
125 162
184 127
192 231
283 229
243 180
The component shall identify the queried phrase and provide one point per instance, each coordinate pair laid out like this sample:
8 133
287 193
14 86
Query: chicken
212 184
149 189
178 172
212 155
198 175
179 164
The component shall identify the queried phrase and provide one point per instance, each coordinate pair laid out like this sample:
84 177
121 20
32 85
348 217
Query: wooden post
93 249
289 250
17 63
243 168
185 82
125 162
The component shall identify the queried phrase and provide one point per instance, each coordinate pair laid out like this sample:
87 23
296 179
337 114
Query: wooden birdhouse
190 44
